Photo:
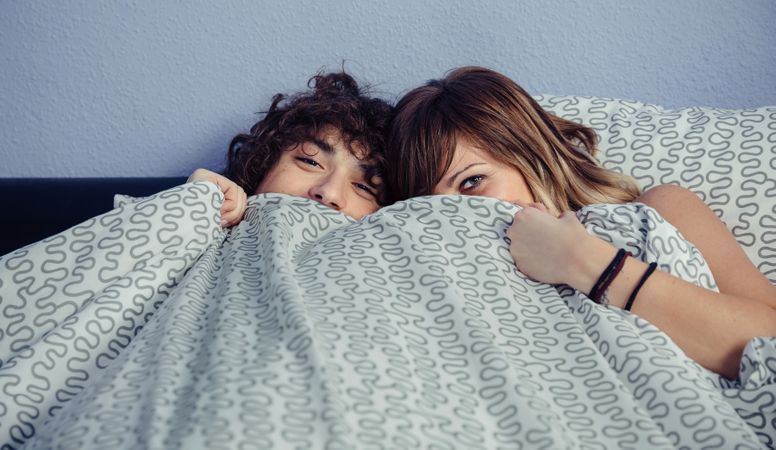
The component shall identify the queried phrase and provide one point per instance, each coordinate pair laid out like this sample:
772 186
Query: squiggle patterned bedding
149 327
726 156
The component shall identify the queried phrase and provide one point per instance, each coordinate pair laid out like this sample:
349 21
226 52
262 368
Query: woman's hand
543 245
235 199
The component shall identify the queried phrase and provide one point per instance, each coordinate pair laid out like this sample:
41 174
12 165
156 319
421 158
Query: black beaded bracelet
608 275
647 273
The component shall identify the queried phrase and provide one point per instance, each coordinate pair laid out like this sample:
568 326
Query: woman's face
475 172
325 170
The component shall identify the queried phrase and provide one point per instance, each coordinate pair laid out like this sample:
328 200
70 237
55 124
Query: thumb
568 216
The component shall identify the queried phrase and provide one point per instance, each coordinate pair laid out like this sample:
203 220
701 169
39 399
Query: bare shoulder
672 200
687 212
732 269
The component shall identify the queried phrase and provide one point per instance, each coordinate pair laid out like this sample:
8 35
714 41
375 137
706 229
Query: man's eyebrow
323 145
455 175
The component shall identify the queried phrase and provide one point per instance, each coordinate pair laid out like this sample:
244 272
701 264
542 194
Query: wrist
588 261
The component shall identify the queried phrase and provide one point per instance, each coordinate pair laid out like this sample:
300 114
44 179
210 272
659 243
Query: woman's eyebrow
455 175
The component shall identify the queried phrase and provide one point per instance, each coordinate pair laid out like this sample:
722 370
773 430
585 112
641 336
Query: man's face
325 170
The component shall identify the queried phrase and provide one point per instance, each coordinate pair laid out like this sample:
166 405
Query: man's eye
471 182
370 190
309 161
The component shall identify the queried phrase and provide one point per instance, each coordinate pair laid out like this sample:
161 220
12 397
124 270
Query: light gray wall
157 88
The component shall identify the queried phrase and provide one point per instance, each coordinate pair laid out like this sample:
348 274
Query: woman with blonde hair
476 132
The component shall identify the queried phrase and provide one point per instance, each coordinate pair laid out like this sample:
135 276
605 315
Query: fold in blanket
150 327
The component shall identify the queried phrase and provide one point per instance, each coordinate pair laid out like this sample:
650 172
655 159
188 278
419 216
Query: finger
197 175
243 199
521 204
232 217
234 214
526 209
231 194
522 215
569 216
540 207
227 213
228 188
241 205
228 205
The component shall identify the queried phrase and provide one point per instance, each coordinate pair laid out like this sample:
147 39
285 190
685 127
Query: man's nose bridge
331 184
328 190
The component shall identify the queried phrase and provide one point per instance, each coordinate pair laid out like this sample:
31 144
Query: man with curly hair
326 144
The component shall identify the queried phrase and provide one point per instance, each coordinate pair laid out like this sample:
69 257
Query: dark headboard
35 208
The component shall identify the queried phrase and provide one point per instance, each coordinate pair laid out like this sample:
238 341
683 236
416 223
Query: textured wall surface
147 88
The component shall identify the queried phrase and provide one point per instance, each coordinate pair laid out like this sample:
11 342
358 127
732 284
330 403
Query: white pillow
727 157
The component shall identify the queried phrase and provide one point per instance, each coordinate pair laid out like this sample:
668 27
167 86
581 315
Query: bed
148 326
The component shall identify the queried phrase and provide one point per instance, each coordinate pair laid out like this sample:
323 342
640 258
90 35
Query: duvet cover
151 327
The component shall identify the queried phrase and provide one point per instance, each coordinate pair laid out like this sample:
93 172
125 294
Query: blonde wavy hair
555 156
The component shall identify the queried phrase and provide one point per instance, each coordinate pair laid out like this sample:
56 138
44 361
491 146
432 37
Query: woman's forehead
467 152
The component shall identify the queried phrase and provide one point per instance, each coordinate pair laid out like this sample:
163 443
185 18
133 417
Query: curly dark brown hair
334 101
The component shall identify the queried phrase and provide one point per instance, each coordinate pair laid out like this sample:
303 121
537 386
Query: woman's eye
309 161
471 182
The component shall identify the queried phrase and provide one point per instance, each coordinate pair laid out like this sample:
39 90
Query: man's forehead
331 140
